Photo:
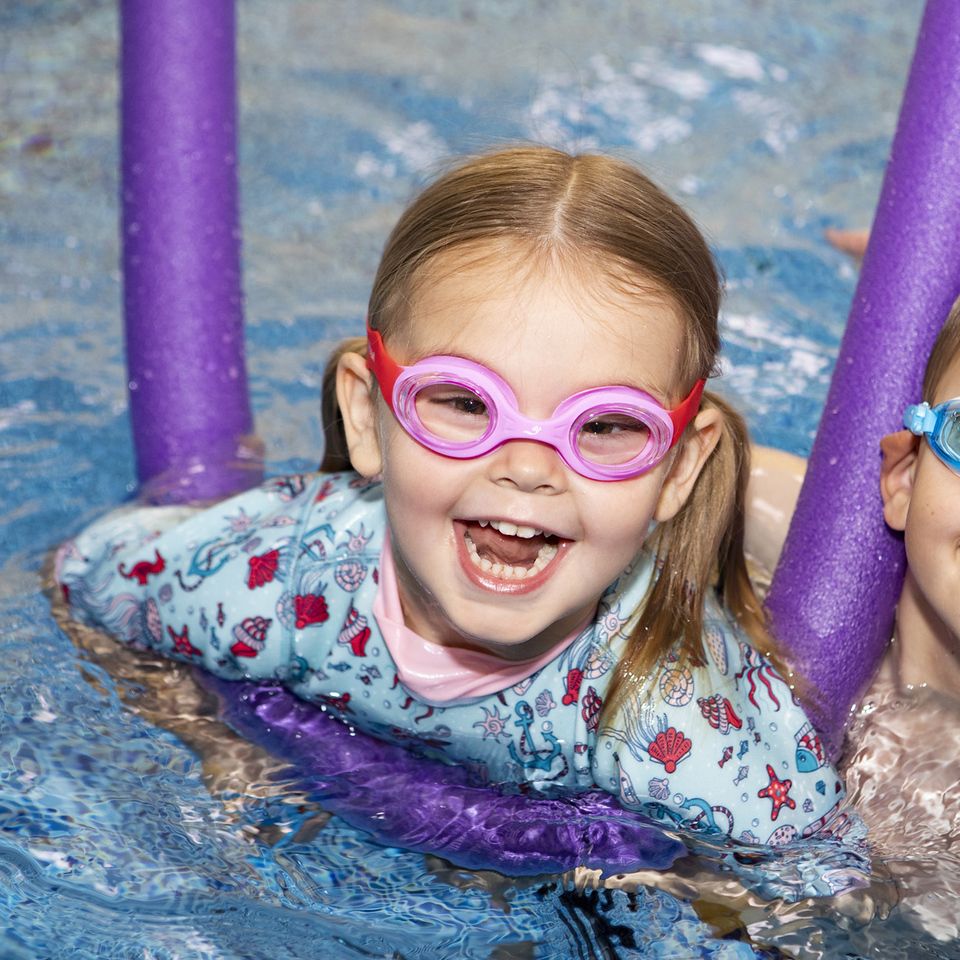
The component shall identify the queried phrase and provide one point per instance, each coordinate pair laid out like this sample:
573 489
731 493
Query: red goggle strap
384 367
681 415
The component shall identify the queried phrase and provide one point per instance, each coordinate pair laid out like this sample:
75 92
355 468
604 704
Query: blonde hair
606 214
946 349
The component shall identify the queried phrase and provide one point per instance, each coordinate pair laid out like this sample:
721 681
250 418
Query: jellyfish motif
756 668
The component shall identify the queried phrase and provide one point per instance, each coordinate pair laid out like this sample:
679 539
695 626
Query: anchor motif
540 758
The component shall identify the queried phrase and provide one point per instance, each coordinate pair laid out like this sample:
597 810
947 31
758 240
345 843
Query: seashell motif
309 609
717 647
782 835
355 632
263 568
590 709
719 713
544 702
659 788
350 574
250 636
152 627
676 686
669 747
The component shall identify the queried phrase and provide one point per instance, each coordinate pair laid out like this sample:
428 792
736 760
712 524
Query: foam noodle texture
181 246
407 801
834 592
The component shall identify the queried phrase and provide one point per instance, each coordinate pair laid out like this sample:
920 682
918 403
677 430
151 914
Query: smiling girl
524 550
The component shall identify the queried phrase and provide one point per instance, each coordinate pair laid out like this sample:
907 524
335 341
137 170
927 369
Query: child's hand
853 242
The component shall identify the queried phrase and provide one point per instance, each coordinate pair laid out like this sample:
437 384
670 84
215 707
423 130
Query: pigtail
336 456
699 550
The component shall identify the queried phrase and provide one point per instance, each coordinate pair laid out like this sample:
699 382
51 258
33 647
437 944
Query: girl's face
456 524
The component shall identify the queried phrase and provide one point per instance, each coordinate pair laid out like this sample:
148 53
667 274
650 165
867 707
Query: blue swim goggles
940 425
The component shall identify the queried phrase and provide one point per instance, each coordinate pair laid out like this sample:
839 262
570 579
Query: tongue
499 548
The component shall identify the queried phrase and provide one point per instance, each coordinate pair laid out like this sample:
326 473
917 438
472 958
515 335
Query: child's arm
775 480
202 586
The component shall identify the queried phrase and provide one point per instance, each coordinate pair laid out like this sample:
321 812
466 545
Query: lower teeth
506 571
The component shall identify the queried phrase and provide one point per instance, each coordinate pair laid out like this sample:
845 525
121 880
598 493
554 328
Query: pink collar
440 675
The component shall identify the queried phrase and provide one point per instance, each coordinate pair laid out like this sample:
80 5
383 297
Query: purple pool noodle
422 805
834 592
181 248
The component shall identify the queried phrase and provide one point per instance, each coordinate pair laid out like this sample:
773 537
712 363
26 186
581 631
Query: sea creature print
545 702
590 709
657 740
182 644
262 568
716 645
719 713
144 569
811 754
778 792
250 636
669 747
659 788
355 632
492 724
756 668
350 574
676 686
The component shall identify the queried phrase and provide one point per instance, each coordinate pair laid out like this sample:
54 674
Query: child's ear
896 475
702 436
359 411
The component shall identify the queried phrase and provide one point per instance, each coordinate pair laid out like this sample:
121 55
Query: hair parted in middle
594 213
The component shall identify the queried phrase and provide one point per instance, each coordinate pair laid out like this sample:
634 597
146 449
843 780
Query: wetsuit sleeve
202 586
724 748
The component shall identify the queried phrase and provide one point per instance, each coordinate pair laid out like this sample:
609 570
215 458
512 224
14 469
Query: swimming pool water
770 120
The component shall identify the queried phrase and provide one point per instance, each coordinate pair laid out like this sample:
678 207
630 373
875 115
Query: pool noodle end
183 304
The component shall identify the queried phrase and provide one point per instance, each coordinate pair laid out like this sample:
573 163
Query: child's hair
946 349
595 213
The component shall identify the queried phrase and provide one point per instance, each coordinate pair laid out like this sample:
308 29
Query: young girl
527 563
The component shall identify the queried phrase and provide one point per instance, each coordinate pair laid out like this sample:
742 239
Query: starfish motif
182 644
779 792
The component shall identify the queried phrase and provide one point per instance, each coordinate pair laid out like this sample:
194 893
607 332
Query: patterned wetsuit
280 582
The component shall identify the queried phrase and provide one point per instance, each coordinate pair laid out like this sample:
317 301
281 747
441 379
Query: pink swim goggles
461 409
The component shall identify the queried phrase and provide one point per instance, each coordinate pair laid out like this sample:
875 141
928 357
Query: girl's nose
529 466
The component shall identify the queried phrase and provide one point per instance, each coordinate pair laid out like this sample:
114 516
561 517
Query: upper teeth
511 529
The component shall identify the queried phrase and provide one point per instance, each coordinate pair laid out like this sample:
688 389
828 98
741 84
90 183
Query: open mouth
507 551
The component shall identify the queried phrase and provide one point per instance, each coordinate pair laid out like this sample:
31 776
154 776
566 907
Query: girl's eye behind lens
452 411
612 438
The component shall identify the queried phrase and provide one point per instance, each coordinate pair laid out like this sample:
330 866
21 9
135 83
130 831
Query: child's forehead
505 286
586 333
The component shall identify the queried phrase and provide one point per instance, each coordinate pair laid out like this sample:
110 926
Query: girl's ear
702 436
897 471
359 411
